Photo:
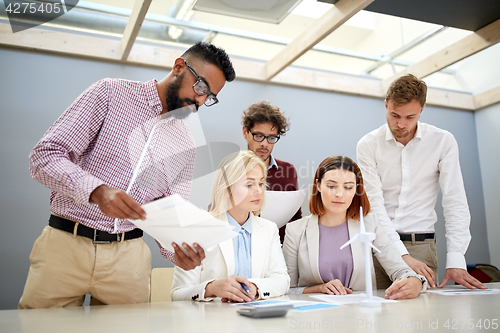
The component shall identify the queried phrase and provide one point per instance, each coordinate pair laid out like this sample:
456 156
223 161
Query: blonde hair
231 169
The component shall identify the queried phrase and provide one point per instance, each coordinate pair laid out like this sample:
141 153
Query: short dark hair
265 112
213 55
407 89
339 163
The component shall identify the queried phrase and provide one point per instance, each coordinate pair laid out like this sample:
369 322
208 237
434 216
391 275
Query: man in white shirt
404 164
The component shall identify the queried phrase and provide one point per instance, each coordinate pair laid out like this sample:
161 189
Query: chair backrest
161 284
484 272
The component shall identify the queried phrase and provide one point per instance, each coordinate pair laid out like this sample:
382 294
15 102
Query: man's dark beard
173 100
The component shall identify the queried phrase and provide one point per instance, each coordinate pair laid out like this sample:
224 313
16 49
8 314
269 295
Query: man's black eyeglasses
259 137
200 88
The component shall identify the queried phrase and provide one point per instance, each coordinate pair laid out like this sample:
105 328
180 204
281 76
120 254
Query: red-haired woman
312 244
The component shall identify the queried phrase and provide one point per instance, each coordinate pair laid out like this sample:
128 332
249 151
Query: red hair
339 163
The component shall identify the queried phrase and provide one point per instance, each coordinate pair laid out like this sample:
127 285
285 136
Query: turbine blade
373 247
349 241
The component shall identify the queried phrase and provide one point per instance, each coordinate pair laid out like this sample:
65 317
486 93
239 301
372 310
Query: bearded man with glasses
87 161
263 126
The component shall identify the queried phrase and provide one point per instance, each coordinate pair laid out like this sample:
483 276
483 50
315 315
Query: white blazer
268 265
301 251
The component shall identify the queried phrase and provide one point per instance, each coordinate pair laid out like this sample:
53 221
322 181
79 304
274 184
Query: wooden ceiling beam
133 26
161 56
49 40
478 41
487 98
316 32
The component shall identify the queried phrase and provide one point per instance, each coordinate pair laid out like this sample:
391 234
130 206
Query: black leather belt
97 236
418 237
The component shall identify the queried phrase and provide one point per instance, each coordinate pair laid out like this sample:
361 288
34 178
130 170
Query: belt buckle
99 241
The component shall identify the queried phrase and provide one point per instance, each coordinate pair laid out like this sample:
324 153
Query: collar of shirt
247 226
272 163
389 136
153 98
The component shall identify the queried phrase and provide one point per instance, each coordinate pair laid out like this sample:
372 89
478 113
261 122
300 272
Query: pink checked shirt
99 139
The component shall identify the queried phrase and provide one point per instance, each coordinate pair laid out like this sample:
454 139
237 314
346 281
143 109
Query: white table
423 314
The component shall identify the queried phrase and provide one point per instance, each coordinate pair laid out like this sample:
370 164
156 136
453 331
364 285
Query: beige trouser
425 251
64 268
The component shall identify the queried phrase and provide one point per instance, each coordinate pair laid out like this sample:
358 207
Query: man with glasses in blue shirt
263 126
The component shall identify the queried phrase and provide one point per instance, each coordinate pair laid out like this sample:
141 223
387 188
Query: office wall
488 136
37 87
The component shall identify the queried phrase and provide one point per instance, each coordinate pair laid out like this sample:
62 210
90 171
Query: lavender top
333 262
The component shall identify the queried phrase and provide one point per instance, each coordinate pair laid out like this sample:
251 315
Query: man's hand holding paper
192 259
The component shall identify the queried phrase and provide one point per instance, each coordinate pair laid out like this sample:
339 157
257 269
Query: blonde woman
251 265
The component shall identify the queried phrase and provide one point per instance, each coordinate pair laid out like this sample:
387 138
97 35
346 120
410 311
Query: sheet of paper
281 206
266 303
317 306
174 219
297 305
348 299
455 292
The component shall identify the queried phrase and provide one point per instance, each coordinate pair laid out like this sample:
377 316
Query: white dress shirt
402 183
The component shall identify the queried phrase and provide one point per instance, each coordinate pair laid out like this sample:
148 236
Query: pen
245 288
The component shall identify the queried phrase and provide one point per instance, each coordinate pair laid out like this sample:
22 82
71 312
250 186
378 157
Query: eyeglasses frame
199 79
266 137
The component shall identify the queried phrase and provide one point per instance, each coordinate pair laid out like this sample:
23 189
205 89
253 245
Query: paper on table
265 303
297 305
454 292
173 219
317 306
281 206
348 299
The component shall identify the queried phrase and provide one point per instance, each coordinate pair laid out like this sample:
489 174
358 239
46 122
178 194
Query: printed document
173 219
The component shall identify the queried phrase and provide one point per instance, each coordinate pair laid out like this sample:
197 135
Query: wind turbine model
366 239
